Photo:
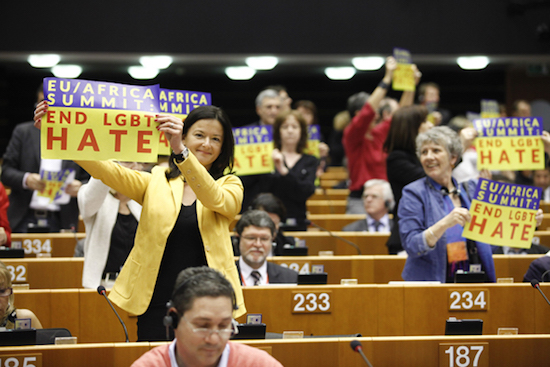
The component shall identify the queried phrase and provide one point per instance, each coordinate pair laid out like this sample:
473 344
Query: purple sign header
92 94
505 194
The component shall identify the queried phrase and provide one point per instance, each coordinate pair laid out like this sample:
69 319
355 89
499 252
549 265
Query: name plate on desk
299 266
18 272
464 355
37 246
311 302
21 360
469 299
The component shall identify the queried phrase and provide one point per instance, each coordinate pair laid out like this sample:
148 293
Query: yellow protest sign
314 137
253 148
509 143
403 76
503 214
89 120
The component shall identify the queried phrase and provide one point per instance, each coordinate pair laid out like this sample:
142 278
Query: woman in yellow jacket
187 210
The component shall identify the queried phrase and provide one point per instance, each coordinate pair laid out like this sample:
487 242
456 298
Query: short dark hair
196 282
270 203
256 218
281 118
308 105
356 102
423 86
404 128
226 158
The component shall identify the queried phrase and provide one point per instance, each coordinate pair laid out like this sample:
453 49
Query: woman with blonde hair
8 311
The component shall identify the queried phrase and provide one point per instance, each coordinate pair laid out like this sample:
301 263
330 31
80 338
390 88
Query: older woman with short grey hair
433 211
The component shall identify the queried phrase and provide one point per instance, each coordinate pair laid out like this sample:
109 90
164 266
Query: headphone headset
387 204
172 318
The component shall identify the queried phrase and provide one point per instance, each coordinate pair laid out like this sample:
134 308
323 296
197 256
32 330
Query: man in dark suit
256 232
21 173
378 202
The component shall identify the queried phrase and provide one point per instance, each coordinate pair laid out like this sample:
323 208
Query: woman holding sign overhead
187 209
433 212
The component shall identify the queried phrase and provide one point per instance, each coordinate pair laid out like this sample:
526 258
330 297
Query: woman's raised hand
172 127
39 112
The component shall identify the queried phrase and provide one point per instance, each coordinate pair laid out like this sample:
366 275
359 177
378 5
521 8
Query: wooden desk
83 311
396 310
509 350
55 244
382 269
47 273
332 222
326 206
335 175
372 310
369 243
330 194
66 272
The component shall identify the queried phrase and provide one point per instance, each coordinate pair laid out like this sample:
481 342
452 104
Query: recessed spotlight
142 72
67 71
240 72
368 62
44 61
340 73
156 62
473 62
262 62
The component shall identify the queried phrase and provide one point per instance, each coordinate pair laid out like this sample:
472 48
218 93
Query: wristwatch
182 156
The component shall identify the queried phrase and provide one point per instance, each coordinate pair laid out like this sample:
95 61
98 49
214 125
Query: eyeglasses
264 240
205 332
6 292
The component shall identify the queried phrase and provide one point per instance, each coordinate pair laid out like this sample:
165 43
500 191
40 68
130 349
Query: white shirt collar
246 270
384 221
223 360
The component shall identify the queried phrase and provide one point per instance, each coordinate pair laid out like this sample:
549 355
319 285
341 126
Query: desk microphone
101 290
307 221
535 284
358 347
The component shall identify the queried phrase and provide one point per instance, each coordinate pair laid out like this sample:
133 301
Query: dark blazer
23 155
277 274
360 225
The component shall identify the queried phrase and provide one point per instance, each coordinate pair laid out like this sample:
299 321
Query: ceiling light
142 72
43 61
66 71
262 62
240 72
473 62
340 73
368 63
156 62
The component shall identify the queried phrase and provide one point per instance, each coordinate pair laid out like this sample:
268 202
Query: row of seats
482 351
362 243
66 272
369 309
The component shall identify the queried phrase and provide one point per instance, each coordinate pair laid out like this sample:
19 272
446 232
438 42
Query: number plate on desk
311 302
301 267
37 246
21 360
18 272
464 355
469 299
